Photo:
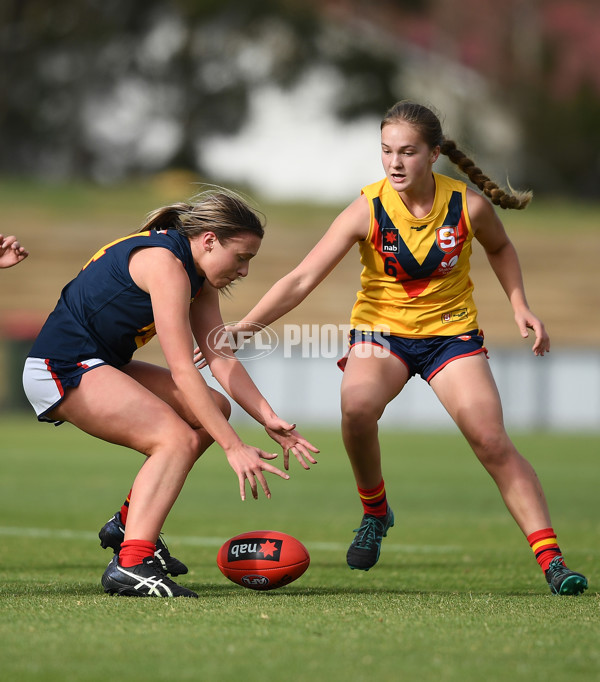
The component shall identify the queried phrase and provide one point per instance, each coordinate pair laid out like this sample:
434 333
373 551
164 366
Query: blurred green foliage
107 89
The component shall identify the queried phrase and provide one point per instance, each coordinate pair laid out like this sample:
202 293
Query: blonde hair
217 210
430 129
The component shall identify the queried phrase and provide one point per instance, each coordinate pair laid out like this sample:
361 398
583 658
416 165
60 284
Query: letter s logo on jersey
447 238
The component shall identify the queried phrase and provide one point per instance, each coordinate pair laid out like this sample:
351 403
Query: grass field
457 594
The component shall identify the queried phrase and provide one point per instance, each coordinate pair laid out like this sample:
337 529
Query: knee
493 448
203 438
186 444
357 412
223 404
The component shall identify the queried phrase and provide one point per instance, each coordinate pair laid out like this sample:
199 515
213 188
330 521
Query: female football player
163 280
414 229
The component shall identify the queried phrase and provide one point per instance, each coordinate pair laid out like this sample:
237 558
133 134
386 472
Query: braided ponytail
430 128
498 196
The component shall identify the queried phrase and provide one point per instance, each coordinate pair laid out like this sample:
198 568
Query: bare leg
372 378
159 381
467 390
113 406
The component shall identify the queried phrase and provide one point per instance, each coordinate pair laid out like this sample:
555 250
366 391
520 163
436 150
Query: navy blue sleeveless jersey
102 313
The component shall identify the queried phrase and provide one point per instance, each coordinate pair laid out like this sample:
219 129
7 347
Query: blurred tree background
109 108
109 89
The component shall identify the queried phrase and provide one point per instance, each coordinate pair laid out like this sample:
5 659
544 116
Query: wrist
519 302
231 443
249 326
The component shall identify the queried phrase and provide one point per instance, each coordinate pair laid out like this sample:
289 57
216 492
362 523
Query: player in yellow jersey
414 229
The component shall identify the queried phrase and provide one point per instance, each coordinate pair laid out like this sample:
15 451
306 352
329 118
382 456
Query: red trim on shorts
483 349
341 363
61 390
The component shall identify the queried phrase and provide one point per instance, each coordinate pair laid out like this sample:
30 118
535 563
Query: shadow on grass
213 591
82 579
219 591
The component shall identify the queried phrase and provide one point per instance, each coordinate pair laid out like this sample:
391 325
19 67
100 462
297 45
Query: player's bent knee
184 443
356 412
493 449
223 404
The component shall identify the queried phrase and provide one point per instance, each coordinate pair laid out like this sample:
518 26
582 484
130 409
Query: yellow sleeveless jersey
415 280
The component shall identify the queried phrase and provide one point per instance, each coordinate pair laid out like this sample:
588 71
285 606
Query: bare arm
158 272
349 227
503 258
232 376
227 370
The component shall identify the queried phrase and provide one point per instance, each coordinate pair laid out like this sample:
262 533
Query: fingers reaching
541 345
199 359
525 322
249 464
302 452
11 251
292 441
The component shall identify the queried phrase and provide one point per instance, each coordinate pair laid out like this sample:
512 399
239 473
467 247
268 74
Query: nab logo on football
265 549
389 240
263 559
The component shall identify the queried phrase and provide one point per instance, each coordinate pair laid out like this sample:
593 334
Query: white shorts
45 382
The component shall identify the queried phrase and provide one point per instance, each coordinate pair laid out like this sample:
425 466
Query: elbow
499 250
299 286
220 366
181 372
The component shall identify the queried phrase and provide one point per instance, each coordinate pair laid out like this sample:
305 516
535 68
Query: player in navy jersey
11 251
163 280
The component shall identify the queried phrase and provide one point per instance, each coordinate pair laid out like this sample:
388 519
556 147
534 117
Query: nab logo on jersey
389 240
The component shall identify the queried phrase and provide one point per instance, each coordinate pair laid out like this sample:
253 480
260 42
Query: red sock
125 509
133 552
374 500
545 546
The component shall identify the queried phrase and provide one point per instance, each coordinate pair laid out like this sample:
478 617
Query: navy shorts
426 356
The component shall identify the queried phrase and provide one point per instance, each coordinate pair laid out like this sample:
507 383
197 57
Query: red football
263 559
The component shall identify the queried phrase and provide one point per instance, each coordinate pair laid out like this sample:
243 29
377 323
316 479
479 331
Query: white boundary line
65 534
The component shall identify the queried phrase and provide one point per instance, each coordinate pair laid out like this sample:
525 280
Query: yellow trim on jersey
146 334
103 250
415 278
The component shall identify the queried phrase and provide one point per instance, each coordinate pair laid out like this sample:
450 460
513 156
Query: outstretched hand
11 251
247 462
291 441
527 320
